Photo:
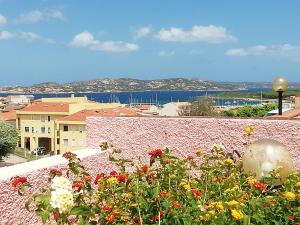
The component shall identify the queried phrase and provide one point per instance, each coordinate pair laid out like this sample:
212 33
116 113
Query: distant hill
128 84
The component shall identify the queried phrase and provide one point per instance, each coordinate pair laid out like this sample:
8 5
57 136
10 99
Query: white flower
59 182
62 200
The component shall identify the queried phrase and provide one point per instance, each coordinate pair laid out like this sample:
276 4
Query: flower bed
203 188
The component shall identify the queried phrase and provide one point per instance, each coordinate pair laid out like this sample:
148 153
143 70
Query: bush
8 139
203 106
204 188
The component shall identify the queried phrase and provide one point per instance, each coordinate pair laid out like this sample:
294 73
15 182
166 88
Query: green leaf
246 220
81 210
44 215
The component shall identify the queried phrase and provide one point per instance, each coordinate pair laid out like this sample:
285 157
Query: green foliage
204 188
202 107
250 111
8 139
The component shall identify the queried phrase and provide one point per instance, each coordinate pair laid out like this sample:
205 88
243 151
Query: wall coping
52 161
269 118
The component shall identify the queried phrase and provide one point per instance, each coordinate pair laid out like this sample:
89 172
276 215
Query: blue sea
152 97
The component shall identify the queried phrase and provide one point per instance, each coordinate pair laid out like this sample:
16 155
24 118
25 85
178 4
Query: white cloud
285 50
141 32
6 35
39 15
3 20
86 40
25 36
166 54
209 34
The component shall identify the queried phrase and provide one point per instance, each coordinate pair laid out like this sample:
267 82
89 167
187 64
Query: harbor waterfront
154 97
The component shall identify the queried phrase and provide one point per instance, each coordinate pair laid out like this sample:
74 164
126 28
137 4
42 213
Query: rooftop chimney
297 101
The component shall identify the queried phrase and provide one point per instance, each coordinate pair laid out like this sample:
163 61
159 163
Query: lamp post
280 84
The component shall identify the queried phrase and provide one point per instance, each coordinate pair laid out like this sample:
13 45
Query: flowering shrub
204 188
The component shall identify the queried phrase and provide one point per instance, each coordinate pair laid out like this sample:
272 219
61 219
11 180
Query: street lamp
265 155
280 84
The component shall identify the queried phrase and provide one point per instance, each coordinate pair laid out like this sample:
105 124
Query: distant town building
175 109
40 123
19 99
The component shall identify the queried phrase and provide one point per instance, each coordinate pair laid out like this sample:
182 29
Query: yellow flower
298 184
199 152
251 180
237 214
172 176
229 162
112 180
187 187
220 206
290 196
211 212
232 203
248 130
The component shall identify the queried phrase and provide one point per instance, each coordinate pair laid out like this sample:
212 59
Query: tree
8 139
203 106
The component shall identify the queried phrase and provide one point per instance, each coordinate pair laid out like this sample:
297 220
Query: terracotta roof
143 107
47 107
81 115
8 116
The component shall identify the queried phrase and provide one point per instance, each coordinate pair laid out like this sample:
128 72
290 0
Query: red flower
298 223
190 157
98 177
55 172
110 218
122 178
176 205
107 207
18 180
145 168
113 173
77 185
259 186
292 217
161 213
196 193
69 155
152 175
157 153
56 216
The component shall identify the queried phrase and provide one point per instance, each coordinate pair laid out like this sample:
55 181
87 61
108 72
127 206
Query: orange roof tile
81 115
143 107
8 116
47 107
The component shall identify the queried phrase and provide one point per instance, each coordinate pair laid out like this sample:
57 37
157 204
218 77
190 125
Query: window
66 142
43 118
49 130
66 128
73 142
32 117
32 129
80 142
43 130
81 128
49 118
57 141
26 129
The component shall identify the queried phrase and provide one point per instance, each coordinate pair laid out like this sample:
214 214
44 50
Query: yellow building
39 123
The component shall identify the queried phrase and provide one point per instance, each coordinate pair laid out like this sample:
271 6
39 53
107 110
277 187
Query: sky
67 40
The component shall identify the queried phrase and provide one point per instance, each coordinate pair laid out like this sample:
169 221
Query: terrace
135 136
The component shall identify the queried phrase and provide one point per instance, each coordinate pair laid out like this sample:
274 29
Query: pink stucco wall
12 210
136 135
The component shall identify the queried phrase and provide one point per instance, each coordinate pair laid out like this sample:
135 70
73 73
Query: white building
174 108
20 99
